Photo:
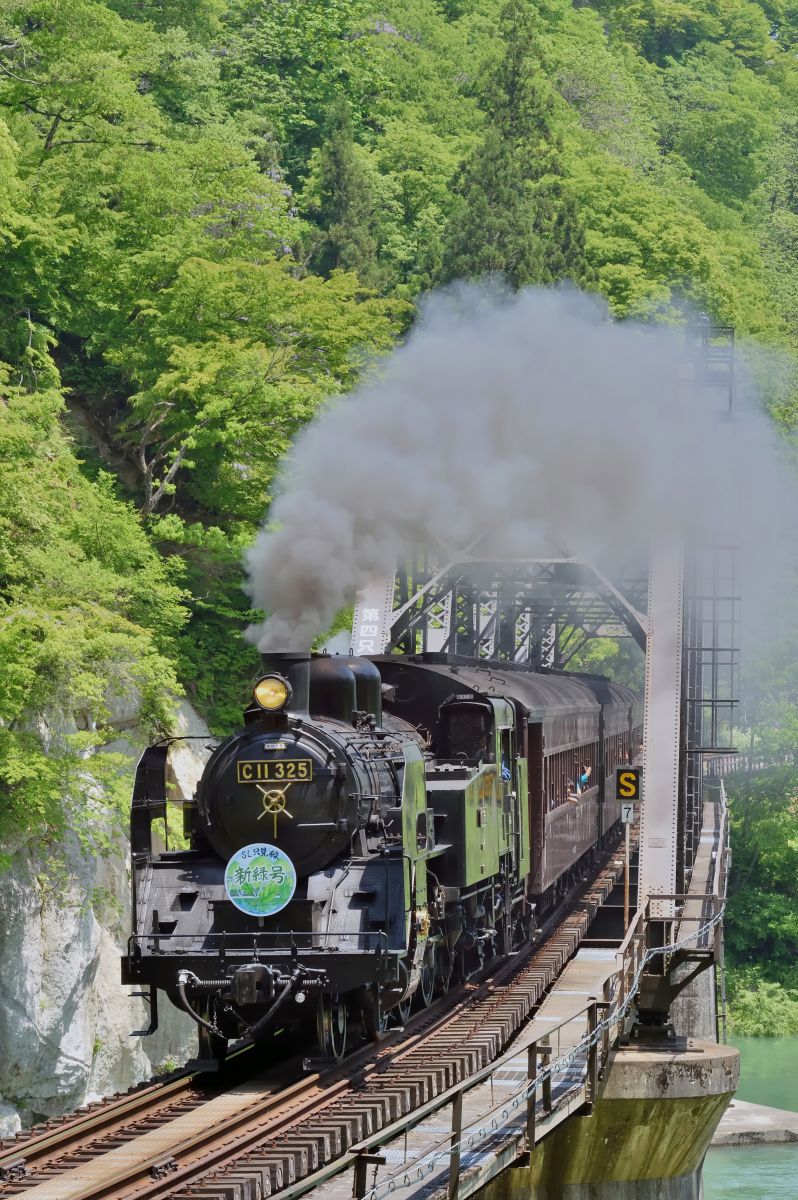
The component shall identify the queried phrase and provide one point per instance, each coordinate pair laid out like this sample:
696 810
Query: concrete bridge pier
646 1137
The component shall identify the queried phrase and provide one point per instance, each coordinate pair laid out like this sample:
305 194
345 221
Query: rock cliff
65 1019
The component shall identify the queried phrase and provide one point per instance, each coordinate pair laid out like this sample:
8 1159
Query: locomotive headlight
272 692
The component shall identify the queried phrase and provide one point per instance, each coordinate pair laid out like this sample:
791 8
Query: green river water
769 1075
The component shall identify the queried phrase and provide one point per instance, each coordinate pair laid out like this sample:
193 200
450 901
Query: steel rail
77 1130
146 1102
268 1114
487 1014
594 1047
326 1089
37 1143
512 974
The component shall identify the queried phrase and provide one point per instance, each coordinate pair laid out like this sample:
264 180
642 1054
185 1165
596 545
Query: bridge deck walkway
421 1156
582 980
699 906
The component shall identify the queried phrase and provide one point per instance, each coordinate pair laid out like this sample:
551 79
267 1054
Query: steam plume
512 425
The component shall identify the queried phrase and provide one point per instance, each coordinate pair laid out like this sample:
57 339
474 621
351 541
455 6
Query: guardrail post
605 1037
621 983
592 1050
454 1156
545 1051
362 1162
532 1094
359 1185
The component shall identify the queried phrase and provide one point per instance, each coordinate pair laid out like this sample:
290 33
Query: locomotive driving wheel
375 1020
331 1026
427 979
403 1009
443 968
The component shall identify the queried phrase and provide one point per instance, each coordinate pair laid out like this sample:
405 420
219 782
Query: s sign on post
627 790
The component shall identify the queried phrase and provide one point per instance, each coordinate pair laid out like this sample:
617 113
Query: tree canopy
512 215
215 215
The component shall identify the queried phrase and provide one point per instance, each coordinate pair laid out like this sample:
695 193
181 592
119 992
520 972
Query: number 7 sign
627 813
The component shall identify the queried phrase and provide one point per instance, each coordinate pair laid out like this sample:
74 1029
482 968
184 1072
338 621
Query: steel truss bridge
678 604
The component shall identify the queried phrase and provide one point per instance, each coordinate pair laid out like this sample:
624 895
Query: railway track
119 1117
178 1139
61 1135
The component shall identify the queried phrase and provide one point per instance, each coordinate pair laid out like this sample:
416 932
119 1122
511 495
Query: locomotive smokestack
293 665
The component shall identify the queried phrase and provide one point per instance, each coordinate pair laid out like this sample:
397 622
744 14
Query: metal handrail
591 1054
593 1049
742 763
272 940
605 1021
619 992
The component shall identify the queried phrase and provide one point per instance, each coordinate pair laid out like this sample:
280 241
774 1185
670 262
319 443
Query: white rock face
9 1121
65 1018
187 758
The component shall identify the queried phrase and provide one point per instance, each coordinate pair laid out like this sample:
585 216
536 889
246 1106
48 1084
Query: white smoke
510 426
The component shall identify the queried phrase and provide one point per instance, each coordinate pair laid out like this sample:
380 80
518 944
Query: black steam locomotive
377 830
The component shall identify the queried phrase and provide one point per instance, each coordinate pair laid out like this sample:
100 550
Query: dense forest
214 212
762 914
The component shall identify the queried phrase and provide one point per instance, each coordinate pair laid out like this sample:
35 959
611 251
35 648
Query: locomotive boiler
375 830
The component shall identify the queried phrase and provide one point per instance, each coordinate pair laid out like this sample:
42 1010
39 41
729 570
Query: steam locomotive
378 829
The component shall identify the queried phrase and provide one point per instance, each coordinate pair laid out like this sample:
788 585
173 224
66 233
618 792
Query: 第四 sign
260 879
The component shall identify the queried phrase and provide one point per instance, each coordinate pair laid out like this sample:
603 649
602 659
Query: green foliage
513 216
287 63
762 915
412 167
720 120
167 831
760 1007
89 615
214 213
342 204
620 660
663 29
201 18
772 701
229 360
214 660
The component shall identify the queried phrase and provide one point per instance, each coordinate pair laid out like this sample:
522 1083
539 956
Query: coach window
560 778
552 784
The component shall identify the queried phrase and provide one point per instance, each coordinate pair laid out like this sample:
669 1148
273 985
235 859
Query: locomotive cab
478 733
467 732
